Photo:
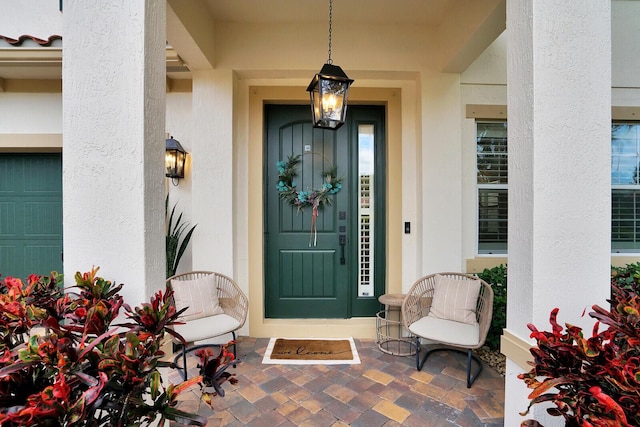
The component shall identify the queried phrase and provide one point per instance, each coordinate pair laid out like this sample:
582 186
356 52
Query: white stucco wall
179 125
26 113
213 171
38 18
625 44
625 53
559 108
441 169
114 126
491 68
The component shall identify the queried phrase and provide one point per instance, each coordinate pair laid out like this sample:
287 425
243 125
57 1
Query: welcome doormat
311 351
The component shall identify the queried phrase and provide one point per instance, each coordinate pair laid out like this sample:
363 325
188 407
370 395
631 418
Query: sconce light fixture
174 159
329 90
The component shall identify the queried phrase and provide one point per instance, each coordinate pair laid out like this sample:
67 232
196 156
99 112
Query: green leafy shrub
497 278
627 277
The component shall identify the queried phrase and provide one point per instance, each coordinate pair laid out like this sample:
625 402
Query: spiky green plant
175 243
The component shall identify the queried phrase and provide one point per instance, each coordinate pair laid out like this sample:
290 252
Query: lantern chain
329 61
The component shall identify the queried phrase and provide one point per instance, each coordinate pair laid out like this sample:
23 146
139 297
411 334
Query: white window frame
627 187
483 113
498 186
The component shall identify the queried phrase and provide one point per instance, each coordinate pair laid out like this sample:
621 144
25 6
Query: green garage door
30 214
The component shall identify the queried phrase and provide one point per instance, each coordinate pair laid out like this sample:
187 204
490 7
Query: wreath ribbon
313 235
316 199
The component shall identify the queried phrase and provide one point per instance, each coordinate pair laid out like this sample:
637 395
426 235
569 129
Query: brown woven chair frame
232 299
417 304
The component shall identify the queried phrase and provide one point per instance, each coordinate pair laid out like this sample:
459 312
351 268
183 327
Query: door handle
342 239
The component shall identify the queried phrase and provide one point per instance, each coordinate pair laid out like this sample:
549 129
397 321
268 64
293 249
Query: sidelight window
366 150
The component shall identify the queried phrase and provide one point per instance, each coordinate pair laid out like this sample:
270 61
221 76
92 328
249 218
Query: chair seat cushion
447 331
207 327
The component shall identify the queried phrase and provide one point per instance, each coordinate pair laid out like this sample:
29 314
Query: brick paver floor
383 390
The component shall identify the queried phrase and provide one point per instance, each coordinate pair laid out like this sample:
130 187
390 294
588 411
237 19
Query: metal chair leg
471 379
235 347
470 357
183 356
184 363
418 364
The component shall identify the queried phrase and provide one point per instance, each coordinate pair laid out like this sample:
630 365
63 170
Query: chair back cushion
199 295
455 299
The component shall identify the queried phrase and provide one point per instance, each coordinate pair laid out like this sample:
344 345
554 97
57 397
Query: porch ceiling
422 12
464 28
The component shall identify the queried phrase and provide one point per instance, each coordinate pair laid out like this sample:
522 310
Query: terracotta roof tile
21 39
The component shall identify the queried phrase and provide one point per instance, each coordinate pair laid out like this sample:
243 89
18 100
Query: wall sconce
329 90
174 159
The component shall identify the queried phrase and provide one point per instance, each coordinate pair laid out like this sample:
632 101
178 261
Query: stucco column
213 171
559 108
113 145
441 169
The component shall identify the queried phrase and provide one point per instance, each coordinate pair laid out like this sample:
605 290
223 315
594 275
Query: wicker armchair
217 306
423 316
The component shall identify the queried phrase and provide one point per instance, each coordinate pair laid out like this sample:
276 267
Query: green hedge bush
497 278
626 277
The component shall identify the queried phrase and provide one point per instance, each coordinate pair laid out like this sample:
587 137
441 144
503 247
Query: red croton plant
63 363
593 382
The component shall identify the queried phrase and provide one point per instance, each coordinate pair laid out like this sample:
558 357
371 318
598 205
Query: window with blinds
625 192
491 164
493 198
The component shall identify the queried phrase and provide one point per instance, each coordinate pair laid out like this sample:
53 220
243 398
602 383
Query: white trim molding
516 349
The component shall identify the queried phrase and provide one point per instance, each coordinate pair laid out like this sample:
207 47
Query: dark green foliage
497 278
627 277
175 244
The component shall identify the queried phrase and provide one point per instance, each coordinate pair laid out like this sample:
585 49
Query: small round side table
391 336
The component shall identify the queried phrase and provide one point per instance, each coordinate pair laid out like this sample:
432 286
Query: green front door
333 267
30 214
